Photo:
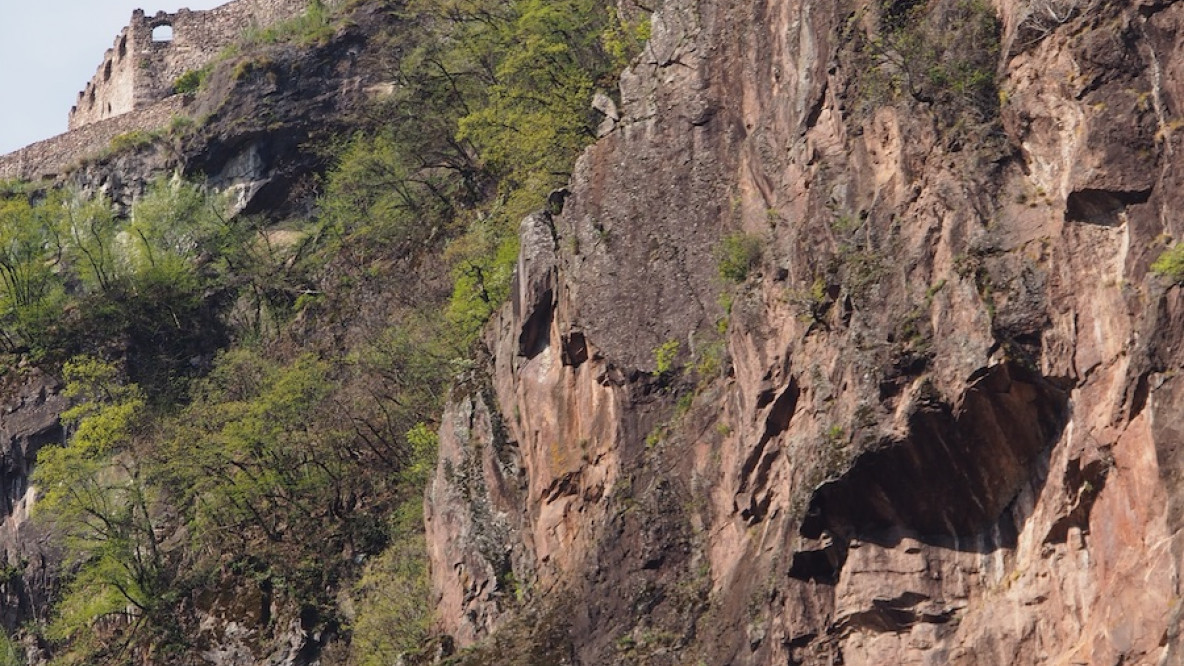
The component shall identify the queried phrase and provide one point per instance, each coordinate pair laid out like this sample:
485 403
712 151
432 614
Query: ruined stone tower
153 51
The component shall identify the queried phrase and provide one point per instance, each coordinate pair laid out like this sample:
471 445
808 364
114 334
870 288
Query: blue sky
49 49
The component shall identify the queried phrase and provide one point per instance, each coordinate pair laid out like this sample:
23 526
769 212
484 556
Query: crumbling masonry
133 87
153 51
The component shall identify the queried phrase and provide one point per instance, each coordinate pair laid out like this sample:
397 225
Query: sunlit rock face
944 420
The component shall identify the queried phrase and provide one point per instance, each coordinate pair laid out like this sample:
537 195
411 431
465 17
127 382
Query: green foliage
382 192
835 435
623 40
1170 264
191 81
131 140
168 225
31 289
666 356
392 617
736 255
657 435
94 489
523 73
812 303
314 26
483 264
858 260
710 361
75 278
264 462
423 442
536 113
179 124
943 54
11 653
88 229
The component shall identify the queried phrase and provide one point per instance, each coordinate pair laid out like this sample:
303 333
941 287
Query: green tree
535 116
392 618
254 456
31 291
86 236
95 493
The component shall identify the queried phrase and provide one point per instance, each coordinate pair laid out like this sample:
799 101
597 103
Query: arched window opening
162 33
91 102
107 71
123 47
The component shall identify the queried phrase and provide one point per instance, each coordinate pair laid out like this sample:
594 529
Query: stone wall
140 70
48 158
133 87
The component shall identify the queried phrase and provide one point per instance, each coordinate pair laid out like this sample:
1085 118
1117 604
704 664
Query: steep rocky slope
938 419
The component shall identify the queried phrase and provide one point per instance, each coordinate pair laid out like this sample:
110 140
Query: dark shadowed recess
951 481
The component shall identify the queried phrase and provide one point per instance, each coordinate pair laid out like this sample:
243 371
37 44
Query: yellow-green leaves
1170 264
536 115
103 423
93 491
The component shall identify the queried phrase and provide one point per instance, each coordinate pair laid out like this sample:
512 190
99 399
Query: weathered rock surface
29 411
948 426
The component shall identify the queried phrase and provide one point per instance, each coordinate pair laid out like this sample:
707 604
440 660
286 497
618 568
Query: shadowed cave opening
950 482
1102 207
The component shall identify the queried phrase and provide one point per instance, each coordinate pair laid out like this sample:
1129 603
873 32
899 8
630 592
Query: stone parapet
53 156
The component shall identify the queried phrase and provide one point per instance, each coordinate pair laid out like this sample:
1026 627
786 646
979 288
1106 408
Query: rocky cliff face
938 421
31 404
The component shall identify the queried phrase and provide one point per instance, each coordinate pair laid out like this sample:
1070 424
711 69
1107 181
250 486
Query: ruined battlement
153 51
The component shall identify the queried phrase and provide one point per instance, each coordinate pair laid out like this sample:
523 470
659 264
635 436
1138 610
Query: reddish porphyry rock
949 420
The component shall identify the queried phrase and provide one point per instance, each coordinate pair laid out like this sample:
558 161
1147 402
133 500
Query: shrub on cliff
942 54
737 255
314 26
75 277
1170 264
31 289
191 81
95 491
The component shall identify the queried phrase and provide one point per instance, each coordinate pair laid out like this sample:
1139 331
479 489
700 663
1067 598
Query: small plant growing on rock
130 140
655 437
191 81
666 356
1170 264
812 303
737 255
180 124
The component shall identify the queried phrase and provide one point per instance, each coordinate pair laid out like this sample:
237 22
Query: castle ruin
133 87
153 51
